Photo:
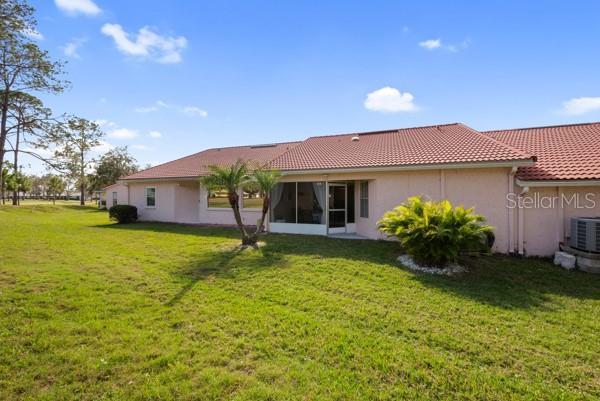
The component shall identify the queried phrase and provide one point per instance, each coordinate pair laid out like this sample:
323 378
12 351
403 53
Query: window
283 203
252 199
218 199
114 198
150 197
364 199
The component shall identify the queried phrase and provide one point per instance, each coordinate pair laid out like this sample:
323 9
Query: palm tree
238 176
265 181
231 179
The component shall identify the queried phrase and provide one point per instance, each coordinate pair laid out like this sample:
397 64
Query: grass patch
92 310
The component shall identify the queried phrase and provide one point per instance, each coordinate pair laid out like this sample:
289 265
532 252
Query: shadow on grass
224 264
512 282
502 281
173 228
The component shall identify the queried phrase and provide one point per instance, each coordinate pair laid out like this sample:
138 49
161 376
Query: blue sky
221 73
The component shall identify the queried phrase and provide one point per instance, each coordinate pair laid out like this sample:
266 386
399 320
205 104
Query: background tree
56 186
24 67
18 183
113 165
32 125
76 139
5 167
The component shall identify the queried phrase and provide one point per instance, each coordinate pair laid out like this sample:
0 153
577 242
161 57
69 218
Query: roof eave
412 167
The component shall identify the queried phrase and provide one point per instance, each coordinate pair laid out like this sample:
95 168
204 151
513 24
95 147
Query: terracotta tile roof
437 144
564 152
197 164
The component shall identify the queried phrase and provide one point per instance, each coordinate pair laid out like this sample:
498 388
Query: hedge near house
123 213
436 233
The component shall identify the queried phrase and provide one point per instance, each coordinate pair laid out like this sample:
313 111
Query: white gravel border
449 270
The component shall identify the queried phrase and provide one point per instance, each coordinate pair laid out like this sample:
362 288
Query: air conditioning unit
585 234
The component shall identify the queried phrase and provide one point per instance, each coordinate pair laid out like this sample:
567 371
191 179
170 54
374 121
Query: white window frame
115 198
363 200
146 197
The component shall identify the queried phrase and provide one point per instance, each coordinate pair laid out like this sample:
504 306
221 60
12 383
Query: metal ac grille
581 234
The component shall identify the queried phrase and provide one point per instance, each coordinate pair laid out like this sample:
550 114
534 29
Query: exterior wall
121 191
183 202
165 201
484 189
545 227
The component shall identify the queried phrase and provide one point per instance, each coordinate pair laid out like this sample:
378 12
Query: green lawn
90 310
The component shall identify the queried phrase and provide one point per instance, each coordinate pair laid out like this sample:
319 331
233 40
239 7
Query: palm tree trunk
265 210
234 202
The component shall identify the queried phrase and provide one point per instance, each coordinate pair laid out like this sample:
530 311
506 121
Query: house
344 183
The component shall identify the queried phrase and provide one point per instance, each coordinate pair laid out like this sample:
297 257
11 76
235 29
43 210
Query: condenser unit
585 234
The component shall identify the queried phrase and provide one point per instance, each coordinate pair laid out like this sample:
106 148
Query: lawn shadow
513 282
174 228
498 280
225 263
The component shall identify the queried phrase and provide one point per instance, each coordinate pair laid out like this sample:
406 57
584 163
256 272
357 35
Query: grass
91 310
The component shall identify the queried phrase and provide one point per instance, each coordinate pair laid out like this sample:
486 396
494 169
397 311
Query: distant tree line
64 143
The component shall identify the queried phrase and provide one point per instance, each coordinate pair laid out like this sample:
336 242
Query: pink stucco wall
121 191
544 227
482 188
183 202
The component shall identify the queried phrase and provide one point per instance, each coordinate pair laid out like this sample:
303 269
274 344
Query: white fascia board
558 183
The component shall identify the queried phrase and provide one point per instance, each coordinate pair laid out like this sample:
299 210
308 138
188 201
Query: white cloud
581 105
159 104
74 7
435 44
105 123
431 44
71 48
147 109
390 100
154 134
195 111
33 34
141 147
123 133
147 44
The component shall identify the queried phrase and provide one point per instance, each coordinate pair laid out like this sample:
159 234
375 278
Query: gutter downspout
511 211
521 223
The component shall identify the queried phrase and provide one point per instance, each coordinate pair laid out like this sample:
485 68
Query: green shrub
435 233
123 213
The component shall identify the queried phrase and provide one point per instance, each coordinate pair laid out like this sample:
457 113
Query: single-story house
522 180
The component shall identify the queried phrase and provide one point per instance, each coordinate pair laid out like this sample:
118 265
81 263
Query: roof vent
355 139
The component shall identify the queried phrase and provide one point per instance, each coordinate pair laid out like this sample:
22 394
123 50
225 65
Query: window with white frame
364 199
114 199
150 197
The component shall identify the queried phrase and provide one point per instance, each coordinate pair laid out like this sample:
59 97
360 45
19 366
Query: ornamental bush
436 233
123 213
